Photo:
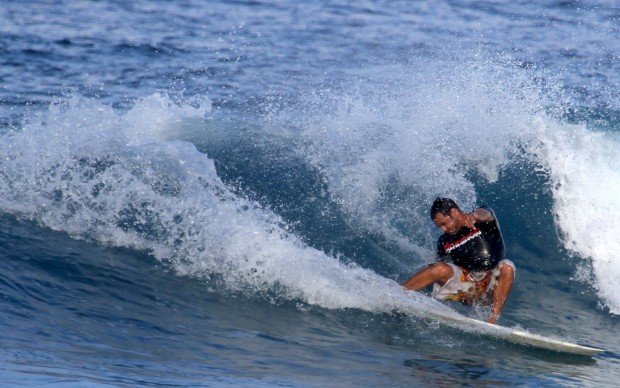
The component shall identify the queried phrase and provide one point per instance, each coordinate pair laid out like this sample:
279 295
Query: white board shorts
468 287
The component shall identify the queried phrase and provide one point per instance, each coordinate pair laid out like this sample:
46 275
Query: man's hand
469 219
478 215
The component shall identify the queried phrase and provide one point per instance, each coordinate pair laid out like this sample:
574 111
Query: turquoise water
219 193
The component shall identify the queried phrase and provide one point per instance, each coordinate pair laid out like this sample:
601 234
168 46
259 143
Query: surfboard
516 336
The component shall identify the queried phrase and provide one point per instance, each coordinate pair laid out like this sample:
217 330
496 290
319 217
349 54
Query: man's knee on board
507 270
442 271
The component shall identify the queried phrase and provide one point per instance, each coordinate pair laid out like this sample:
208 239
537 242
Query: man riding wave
472 266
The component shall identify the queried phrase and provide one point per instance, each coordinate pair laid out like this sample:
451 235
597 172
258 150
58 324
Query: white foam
585 171
388 148
112 177
119 179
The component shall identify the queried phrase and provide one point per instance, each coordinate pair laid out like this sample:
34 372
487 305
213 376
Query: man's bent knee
507 270
442 272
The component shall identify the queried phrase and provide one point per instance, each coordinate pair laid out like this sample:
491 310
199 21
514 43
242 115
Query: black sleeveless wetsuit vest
474 250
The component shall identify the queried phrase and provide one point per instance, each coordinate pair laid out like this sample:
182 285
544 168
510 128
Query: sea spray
384 151
387 146
390 145
116 178
585 180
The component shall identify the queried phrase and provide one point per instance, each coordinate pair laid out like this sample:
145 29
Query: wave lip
137 186
121 179
585 176
387 148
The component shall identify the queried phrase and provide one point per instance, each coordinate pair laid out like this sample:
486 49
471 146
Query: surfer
471 266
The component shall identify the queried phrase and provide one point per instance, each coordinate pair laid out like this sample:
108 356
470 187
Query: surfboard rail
515 336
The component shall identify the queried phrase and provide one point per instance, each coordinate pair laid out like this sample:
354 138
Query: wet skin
440 273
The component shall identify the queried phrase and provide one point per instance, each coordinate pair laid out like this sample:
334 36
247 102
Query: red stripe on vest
450 246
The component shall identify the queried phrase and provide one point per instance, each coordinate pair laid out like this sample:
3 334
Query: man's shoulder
487 211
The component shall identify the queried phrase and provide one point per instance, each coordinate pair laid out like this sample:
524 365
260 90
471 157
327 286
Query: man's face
448 223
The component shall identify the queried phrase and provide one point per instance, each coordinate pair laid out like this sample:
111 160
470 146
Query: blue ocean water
230 192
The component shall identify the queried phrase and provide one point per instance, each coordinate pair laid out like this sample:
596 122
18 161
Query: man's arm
479 215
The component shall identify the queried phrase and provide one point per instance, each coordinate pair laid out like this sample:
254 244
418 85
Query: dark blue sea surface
231 192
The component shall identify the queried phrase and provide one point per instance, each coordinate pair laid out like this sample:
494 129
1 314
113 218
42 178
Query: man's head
447 215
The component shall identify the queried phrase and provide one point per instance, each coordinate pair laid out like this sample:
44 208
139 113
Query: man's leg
502 290
434 273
